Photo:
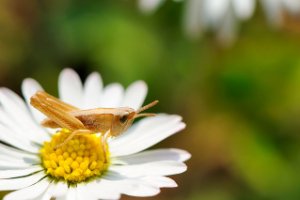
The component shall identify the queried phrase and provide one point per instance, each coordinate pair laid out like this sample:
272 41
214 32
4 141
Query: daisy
224 16
274 10
221 16
149 6
82 169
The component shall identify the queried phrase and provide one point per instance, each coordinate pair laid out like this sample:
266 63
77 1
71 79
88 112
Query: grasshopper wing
58 112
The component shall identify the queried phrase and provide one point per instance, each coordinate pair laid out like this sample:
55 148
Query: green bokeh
241 103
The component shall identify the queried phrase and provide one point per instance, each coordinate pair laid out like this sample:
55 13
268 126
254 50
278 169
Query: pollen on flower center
82 158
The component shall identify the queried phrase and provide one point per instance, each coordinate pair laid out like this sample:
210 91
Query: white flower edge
150 6
133 171
223 16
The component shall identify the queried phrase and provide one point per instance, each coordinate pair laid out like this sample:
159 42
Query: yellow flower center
82 158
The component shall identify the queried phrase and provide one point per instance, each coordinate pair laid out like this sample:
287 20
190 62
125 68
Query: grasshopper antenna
146 107
145 115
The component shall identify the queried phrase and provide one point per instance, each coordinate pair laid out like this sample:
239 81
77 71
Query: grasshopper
107 121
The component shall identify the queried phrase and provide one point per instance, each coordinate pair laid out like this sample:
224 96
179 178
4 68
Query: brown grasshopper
107 121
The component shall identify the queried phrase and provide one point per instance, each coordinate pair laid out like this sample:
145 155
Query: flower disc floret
80 159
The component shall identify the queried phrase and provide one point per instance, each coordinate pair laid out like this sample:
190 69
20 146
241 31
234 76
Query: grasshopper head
122 121
126 117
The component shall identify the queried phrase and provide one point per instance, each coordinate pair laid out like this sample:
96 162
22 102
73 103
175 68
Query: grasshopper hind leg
104 139
71 136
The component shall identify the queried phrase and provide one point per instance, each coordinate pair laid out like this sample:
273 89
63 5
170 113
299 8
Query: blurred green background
241 103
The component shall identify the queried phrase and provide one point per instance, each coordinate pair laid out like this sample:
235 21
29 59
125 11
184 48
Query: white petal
143 125
13 161
71 194
91 191
155 155
135 95
5 165
292 6
61 198
132 187
12 158
92 91
57 189
43 196
70 87
244 9
29 192
15 107
104 189
9 137
83 192
7 162
273 11
160 181
194 21
227 30
112 96
113 176
144 134
18 183
19 172
138 188
14 98
162 168
148 6
29 88
9 123
15 153
22 134
215 10
155 181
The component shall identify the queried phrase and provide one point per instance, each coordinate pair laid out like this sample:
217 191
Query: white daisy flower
223 16
220 15
274 10
81 169
149 6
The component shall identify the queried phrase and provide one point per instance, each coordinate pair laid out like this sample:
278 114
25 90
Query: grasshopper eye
123 119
